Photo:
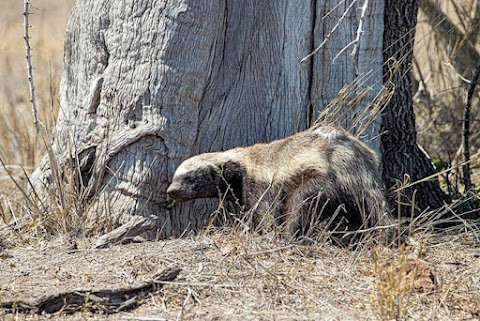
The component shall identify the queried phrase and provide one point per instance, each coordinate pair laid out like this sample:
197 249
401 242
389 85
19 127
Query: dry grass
227 274
440 101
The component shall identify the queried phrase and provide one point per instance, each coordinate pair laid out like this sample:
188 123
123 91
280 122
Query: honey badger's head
207 176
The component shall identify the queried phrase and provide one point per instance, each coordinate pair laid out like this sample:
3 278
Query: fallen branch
101 301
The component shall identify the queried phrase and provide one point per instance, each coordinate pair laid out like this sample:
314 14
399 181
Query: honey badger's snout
182 189
174 190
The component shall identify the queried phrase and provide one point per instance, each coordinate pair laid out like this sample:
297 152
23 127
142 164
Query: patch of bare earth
228 275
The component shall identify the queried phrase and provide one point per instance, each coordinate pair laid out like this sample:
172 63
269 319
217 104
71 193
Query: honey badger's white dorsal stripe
276 168
206 159
280 160
328 133
324 162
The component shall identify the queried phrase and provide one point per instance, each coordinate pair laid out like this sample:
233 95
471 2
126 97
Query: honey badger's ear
233 173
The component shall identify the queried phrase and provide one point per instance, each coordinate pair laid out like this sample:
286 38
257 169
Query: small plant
392 291
396 280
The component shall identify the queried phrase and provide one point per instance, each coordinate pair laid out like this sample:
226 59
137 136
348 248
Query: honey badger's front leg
304 205
263 205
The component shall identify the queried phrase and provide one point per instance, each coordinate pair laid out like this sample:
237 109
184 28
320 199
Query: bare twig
330 33
356 41
28 57
466 128
182 310
359 34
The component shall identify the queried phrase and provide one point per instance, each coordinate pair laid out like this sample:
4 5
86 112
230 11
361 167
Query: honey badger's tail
367 209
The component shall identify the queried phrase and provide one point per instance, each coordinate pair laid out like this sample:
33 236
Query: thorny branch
28 57
355 43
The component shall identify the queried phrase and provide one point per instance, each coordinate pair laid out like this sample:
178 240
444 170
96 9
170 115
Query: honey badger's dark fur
321 168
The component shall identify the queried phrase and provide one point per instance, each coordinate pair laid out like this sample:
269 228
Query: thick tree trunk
403 160
149 83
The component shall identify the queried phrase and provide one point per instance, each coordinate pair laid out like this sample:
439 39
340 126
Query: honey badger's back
321 168
282 159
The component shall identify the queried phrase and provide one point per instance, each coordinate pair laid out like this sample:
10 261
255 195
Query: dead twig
355 42
327 37
28 57
466 128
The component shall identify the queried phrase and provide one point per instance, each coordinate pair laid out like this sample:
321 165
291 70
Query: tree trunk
149 83
403 160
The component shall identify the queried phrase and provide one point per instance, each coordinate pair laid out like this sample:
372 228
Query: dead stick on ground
105 301
134 227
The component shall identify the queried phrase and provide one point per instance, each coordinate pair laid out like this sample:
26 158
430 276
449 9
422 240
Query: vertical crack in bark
311 106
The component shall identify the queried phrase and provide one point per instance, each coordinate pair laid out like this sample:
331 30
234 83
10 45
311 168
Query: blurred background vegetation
19 144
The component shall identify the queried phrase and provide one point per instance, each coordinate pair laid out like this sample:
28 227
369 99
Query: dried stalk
28 57
466 128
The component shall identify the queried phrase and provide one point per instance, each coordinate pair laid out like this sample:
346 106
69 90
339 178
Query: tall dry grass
438 105
21 147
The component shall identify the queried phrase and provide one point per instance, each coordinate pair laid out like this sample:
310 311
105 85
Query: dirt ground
227 275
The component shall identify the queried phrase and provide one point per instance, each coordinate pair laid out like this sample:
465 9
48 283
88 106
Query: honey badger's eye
188 180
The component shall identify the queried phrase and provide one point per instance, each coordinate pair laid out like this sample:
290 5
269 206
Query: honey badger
301 179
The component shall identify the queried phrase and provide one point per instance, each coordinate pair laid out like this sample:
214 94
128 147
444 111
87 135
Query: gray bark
148 83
